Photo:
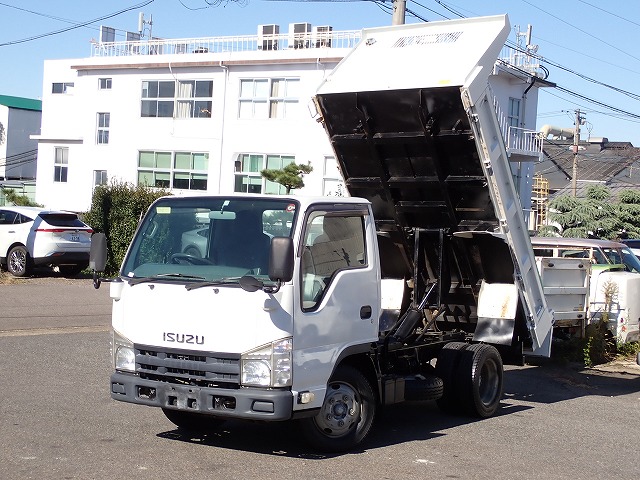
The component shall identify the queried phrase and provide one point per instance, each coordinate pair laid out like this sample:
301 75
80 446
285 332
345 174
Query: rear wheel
346 415
446 368
19 261
480 376
192 422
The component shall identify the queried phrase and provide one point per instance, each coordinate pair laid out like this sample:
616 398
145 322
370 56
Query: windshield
630 260
208 238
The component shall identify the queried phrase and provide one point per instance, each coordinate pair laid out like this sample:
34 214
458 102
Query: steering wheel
185 258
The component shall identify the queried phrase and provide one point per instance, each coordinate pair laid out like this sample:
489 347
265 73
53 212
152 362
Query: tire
446 368
346 415
192 422
19 261
423 389
480 380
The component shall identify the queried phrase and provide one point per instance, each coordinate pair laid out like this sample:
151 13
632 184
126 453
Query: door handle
365 312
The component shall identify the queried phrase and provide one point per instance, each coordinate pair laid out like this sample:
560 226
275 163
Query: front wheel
346 415
19 261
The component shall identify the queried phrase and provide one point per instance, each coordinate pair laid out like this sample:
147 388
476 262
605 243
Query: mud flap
497 305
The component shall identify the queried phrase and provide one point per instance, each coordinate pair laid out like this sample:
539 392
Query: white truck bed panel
466 47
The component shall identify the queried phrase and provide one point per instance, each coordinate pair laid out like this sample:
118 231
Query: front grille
188 368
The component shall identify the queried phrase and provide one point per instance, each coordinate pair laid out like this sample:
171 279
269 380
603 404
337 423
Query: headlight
269 365
124 357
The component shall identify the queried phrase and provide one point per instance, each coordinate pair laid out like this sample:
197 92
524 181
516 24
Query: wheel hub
340 410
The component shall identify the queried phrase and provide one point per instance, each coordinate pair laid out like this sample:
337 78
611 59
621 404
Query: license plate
75 238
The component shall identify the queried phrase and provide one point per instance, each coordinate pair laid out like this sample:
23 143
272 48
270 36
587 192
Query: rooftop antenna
142 22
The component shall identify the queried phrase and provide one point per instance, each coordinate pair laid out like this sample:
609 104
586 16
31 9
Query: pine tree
598 214
289 177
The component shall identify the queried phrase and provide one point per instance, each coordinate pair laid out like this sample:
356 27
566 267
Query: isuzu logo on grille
182 338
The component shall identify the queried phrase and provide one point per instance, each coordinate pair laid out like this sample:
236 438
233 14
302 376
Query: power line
73 27
580 29
610 13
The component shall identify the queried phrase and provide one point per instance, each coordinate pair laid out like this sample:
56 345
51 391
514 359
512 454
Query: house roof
613 164
21 103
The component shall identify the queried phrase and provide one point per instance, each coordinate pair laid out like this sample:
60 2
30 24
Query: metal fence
246 43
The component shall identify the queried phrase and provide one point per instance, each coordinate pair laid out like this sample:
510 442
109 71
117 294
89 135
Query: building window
100 177
62 87
180 170
187 98
194 99
102 136
248 177
104 84
158 98
268 97
332 181
61 164
514 112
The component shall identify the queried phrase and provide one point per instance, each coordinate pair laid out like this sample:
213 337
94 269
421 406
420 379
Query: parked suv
31 236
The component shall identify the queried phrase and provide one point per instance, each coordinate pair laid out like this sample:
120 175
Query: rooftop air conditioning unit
322 36
107 34
268 37
299 35
134 46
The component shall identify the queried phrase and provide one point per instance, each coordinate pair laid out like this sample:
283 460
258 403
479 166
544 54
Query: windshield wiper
213 283
162 276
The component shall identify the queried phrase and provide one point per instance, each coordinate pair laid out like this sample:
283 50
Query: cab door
339 291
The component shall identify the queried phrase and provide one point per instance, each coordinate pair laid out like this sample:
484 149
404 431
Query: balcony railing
523 142
519 141
523 61
246 43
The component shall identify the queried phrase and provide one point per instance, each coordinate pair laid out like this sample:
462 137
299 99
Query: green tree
116 209
597 214
290 176
20 200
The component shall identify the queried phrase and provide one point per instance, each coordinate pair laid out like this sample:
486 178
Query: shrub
116 209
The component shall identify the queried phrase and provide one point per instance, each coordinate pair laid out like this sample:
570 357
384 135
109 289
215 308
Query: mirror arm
273 289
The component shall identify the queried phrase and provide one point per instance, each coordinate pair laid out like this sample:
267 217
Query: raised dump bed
410 117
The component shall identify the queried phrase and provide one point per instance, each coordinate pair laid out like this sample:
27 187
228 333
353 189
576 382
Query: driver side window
332 242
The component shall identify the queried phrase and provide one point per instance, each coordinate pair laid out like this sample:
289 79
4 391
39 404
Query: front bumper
243 403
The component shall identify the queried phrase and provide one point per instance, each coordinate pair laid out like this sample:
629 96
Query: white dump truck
419 286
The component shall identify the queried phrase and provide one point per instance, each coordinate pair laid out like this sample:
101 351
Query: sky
587 45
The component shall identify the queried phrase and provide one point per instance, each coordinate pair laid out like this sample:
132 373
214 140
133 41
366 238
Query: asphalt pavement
58 421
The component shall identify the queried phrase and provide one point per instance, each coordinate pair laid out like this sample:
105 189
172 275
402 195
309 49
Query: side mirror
281 259
98 256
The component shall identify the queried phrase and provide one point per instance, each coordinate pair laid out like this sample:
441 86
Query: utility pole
576 141
399 9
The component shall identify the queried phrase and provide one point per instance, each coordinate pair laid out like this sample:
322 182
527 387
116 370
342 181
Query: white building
208 114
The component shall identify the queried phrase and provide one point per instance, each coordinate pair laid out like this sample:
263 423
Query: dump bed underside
412 153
